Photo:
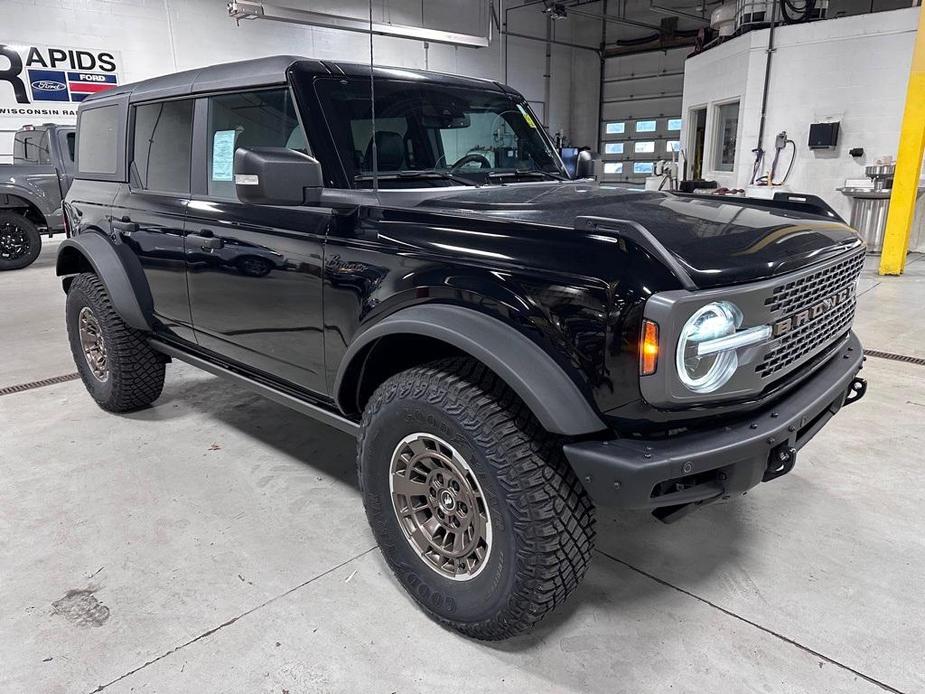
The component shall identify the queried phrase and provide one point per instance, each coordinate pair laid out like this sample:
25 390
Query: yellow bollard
908 164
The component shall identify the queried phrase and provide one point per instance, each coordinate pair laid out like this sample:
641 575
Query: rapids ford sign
47 82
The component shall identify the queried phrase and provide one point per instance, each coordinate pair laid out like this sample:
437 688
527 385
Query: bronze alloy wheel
91 340
440 507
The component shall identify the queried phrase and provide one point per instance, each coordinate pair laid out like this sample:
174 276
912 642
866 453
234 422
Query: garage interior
216 540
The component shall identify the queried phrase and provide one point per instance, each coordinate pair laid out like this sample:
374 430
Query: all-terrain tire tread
553 515
136 369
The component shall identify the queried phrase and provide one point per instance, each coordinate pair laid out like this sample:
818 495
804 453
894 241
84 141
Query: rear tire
452 435
20 241
118 367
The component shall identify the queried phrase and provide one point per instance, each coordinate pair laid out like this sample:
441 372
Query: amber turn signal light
648 349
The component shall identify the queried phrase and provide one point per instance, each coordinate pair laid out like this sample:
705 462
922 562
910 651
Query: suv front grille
799 295
803 292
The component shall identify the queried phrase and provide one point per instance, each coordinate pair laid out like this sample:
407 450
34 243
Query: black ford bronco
509 347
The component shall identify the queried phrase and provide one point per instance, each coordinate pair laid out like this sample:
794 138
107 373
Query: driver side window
265 118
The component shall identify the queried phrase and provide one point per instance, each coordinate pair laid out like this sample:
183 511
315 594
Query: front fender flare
552 396
118 270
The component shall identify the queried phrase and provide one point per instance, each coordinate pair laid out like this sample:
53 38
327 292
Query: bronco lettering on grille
785 325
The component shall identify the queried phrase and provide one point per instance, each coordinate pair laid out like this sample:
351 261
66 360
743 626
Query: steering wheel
481 159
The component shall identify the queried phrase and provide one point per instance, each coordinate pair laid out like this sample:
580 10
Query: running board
299 405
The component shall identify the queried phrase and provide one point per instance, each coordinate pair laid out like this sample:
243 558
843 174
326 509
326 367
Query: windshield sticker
223 155
527 116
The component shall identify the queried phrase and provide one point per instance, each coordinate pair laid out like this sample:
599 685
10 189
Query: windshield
433 134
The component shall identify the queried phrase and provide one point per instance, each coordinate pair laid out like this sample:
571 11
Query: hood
719 242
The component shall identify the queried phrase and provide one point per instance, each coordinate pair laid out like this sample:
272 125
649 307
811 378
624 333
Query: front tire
20 241
472 503
118 367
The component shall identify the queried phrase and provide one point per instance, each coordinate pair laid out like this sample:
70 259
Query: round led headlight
706 372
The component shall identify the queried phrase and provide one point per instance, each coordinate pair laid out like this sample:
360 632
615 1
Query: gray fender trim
120 272
540 382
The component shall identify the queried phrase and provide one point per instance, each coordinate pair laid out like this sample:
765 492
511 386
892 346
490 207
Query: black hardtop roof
259 72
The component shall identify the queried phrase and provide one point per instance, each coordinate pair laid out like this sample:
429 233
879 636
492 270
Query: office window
161 146
613 167
727 125
641 167
615 128
644 148
97 147
264 118
674 124
673 146
613 148
645 126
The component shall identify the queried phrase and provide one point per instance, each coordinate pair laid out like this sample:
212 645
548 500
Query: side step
283 398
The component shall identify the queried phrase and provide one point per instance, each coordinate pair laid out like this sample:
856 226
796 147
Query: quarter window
97 145
162 140
264 118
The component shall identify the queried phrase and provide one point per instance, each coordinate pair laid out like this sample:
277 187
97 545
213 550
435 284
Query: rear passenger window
97 145
161 145
26 147
265 118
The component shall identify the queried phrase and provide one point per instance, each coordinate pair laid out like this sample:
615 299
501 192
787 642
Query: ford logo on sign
48 86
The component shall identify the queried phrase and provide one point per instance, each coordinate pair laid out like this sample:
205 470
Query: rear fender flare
118 270
550 393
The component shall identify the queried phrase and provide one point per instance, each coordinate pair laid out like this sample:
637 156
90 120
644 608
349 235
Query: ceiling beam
246 10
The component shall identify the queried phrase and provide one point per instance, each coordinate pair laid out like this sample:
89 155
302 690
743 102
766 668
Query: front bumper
683 471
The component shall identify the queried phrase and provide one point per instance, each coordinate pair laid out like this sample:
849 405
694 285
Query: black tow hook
856 391
780 462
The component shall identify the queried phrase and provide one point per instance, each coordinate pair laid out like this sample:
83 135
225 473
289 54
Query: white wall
852 69
161 36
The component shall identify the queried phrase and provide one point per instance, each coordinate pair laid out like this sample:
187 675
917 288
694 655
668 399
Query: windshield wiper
526 172
412 174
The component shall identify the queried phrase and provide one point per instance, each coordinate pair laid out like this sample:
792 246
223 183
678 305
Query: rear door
254 272
148 213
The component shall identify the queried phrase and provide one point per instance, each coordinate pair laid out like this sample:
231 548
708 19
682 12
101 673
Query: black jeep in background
510 347
31 191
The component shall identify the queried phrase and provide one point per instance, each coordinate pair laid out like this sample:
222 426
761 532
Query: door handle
125 225
207 240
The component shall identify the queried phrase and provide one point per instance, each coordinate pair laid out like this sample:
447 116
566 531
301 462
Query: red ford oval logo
48 86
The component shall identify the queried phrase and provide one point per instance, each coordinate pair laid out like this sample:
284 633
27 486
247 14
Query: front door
254 272
149 212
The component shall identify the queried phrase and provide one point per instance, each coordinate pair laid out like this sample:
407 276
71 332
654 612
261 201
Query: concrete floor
216 543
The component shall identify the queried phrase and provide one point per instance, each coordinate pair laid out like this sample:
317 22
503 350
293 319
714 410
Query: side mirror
587 165
276 176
